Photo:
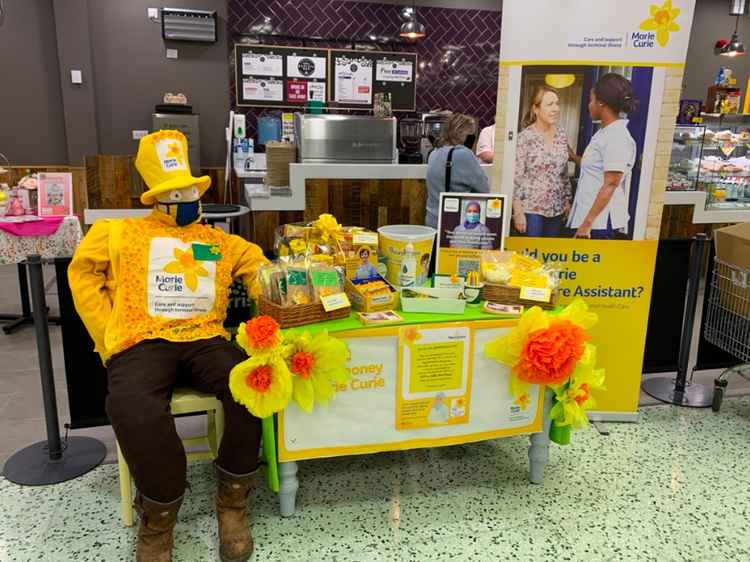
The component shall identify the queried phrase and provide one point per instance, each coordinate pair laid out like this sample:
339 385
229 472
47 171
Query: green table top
353 323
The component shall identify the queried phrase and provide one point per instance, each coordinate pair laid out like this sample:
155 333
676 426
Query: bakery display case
712 161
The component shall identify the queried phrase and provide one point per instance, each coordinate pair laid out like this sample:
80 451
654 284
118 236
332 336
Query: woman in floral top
542 192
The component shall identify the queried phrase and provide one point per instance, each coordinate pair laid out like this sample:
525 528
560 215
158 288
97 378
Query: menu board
356 76
280 76
273 76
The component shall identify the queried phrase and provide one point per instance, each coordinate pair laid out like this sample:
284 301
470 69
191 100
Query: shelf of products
710 168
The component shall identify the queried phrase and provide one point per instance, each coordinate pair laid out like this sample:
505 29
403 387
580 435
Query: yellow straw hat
163 163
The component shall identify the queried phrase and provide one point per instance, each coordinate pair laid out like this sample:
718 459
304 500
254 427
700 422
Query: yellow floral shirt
139 279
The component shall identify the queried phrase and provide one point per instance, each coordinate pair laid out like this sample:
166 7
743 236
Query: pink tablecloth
44 227
61 243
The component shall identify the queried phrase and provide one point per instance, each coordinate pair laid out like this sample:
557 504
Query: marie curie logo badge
171 156
656 28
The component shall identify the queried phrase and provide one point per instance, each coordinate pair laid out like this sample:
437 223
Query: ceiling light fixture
734 47
559 81
412 29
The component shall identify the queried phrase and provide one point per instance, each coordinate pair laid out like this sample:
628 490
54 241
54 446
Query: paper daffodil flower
327 225
543 348
262 384
259 335
315 362
574 399
662 21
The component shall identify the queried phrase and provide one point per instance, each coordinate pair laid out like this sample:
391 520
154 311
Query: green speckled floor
674 487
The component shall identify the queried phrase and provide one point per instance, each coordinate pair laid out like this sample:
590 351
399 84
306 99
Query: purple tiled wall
457 59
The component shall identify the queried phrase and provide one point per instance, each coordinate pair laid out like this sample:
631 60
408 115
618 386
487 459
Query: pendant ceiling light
559 81
734 47
412 29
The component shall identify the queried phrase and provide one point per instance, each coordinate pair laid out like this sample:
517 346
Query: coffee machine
410 132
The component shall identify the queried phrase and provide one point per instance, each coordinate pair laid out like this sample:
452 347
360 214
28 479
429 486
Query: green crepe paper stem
559 434
269 453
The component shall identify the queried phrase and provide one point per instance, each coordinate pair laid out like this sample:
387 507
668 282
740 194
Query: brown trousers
141 381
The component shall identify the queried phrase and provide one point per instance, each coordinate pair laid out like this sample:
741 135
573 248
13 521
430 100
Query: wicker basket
512 295
299 315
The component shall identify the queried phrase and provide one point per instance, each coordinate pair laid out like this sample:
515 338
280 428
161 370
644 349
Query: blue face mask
472 218
186 213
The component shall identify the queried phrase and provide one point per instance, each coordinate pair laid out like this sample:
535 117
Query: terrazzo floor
675 486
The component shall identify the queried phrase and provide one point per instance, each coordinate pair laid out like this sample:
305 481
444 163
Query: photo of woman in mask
471 233
542 192
600 207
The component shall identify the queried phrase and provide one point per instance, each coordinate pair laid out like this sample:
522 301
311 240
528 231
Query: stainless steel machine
345 139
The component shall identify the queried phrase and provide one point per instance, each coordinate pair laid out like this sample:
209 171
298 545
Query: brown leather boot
155 538
235 541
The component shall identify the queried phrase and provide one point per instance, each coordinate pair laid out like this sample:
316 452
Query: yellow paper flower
298 246
574 398
509 349
187 265
316 363
263 384
327 225
662 21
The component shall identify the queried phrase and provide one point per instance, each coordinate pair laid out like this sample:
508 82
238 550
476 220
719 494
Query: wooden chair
184 401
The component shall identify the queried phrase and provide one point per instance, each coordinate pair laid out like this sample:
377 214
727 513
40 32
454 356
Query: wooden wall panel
367 203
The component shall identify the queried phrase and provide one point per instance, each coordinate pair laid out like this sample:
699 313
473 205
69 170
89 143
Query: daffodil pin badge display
553 349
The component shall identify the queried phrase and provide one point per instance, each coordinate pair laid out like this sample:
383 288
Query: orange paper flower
259 379
302 364
259 334
550 355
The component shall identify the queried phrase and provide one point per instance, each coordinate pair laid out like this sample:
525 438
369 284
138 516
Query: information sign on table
434 376
468 223
384 408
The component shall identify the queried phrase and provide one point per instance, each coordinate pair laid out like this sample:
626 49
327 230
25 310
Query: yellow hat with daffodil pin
162 161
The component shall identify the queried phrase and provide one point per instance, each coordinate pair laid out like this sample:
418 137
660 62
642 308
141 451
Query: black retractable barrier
54 460
680 391
667 306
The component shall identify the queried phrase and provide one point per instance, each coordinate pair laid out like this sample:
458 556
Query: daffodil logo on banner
662 21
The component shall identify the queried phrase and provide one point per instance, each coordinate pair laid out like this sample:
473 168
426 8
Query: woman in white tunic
600 206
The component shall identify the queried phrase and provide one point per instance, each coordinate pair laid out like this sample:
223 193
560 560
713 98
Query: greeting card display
55 194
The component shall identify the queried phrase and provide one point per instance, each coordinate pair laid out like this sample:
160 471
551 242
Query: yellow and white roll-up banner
588 94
